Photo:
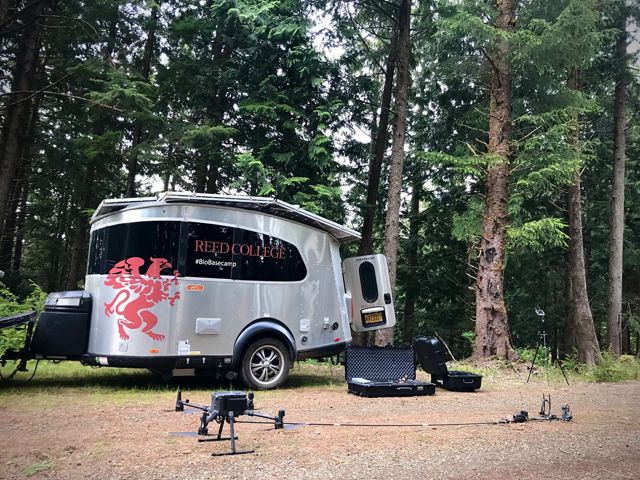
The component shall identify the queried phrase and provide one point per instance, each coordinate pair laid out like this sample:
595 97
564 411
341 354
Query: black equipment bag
432 360
383 372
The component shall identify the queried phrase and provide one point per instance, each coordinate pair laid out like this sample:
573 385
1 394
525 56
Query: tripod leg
533 362
562 370
546 355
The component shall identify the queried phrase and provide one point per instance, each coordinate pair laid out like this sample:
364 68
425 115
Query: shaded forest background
306 100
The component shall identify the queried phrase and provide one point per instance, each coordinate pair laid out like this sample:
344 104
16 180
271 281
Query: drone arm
276 418
251 413
186 403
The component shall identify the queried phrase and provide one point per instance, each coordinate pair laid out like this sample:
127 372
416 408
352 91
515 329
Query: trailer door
366 281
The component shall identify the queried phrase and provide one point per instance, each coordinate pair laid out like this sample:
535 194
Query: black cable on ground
396 425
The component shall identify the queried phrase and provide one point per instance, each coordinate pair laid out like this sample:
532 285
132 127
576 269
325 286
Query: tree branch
364 42
489 59
33 94
58 94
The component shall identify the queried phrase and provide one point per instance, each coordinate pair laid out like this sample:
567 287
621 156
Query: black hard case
383 372
432 360
63 328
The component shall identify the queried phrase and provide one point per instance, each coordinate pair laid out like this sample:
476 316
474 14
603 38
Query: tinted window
113 244
368 282
97 252
209 250
217 251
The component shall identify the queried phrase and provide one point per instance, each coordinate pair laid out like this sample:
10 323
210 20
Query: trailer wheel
265 364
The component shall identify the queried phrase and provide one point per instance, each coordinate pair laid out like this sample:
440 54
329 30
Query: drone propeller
187 412
294 426
190 412
186 434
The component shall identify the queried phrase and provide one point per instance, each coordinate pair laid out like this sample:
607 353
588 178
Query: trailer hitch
24 354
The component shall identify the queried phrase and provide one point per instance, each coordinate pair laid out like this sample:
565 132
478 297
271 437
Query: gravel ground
78 434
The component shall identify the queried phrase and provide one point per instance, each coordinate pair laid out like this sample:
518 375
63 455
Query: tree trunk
377 153
4 11
411 285
168 168
137 127
81 230
57 276
585 333
8 235
206 170
582 320
10 239
616 219
17 113
492 327
569 342
392 221
22 215
200 174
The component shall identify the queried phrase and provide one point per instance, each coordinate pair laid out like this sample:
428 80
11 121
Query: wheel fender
263 329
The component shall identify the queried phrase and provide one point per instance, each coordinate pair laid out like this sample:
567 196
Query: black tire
265 364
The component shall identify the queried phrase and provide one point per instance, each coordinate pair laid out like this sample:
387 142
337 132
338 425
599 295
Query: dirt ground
75 433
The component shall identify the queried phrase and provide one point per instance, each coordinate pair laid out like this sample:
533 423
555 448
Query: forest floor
78 428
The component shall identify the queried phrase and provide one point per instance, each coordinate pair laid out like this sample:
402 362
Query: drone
225 408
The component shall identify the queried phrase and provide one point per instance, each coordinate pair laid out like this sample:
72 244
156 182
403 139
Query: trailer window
266 258
368 282
110 245
218 251
209 251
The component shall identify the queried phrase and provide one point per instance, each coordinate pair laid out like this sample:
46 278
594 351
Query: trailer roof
269 206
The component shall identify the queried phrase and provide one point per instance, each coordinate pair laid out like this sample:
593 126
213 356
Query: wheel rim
266 364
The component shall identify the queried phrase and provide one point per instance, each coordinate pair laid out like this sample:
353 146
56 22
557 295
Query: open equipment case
432 360
383 372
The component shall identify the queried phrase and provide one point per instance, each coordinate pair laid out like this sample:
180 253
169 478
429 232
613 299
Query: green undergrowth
13 338
610 369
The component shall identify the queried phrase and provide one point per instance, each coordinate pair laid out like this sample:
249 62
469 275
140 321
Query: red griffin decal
148 289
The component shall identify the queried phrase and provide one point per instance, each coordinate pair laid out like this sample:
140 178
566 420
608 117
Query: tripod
542 341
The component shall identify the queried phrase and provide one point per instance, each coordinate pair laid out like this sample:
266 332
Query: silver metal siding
320 295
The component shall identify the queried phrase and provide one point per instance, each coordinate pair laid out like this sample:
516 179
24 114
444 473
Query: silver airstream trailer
187 283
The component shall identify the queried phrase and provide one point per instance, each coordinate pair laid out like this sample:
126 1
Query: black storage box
383 372
432 360
63 328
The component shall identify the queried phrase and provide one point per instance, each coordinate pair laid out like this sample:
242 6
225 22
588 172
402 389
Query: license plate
375 318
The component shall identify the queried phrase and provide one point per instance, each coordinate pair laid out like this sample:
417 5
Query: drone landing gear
232 438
